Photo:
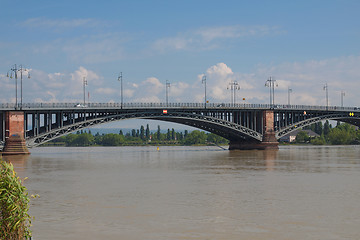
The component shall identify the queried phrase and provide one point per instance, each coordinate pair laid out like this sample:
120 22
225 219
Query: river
137 193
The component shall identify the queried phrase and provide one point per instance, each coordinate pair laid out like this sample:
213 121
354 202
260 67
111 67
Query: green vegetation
142 136
342 134
14 218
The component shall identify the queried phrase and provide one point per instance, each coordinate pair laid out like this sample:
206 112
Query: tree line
341 134
141 136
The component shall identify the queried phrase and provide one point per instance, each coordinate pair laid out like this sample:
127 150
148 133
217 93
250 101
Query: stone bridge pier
269 140
14 133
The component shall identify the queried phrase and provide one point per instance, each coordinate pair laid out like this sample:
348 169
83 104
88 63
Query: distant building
291 137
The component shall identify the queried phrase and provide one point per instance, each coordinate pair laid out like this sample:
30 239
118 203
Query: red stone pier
14 129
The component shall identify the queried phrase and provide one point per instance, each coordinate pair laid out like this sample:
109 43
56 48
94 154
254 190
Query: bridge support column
269 140
14 134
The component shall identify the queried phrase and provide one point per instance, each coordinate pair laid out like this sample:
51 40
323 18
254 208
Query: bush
14 218
302 137
318 141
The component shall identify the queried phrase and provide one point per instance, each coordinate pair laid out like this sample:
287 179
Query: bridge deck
225 106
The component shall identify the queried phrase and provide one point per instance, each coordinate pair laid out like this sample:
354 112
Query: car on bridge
79 105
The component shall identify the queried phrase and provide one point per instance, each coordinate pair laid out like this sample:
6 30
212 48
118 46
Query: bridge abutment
269 140
14 134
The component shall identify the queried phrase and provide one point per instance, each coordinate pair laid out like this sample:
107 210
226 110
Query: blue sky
301 44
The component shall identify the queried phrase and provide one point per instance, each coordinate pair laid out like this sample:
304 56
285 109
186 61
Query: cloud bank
306 79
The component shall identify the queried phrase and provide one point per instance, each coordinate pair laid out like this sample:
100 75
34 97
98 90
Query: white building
291 137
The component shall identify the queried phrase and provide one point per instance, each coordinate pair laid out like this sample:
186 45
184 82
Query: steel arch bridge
240 123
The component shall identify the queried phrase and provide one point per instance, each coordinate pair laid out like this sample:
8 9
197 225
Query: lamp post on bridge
121 88
233 86
289 91
271 84
342 98
167 86
84 84
15 69
327 95
203 80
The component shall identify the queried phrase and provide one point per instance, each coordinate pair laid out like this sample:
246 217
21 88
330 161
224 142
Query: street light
121 88
289 91
327 95
15 70
84 84
342 98
233 87
271 84
167 86
203 80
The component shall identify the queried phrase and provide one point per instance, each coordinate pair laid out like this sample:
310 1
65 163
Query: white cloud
128 93
88 49
218 78
305 78
212 37
94 49
152 85
107 91
148 99
308 78
178 89
52 87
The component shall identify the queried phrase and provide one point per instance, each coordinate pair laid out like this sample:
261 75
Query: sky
303 45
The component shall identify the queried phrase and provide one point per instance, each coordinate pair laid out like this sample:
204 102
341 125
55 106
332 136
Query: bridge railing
11 106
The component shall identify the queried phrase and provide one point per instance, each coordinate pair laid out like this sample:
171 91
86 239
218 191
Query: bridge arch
226 129
337 116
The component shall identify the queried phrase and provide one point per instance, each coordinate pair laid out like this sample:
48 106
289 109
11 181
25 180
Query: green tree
168 135
195 137
342 135
173 134
158 133
70 138
326 127
318 141
112 139
98 139
142 132
83 139
179 136
147 132
213 138
302 137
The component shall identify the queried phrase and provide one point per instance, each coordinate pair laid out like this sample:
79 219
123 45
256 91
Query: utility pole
342 98
271 84
167 86
84 84
203 80
289 91
327 95
121 88
15 70
233 86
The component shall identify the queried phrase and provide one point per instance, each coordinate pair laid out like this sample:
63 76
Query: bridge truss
240 122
